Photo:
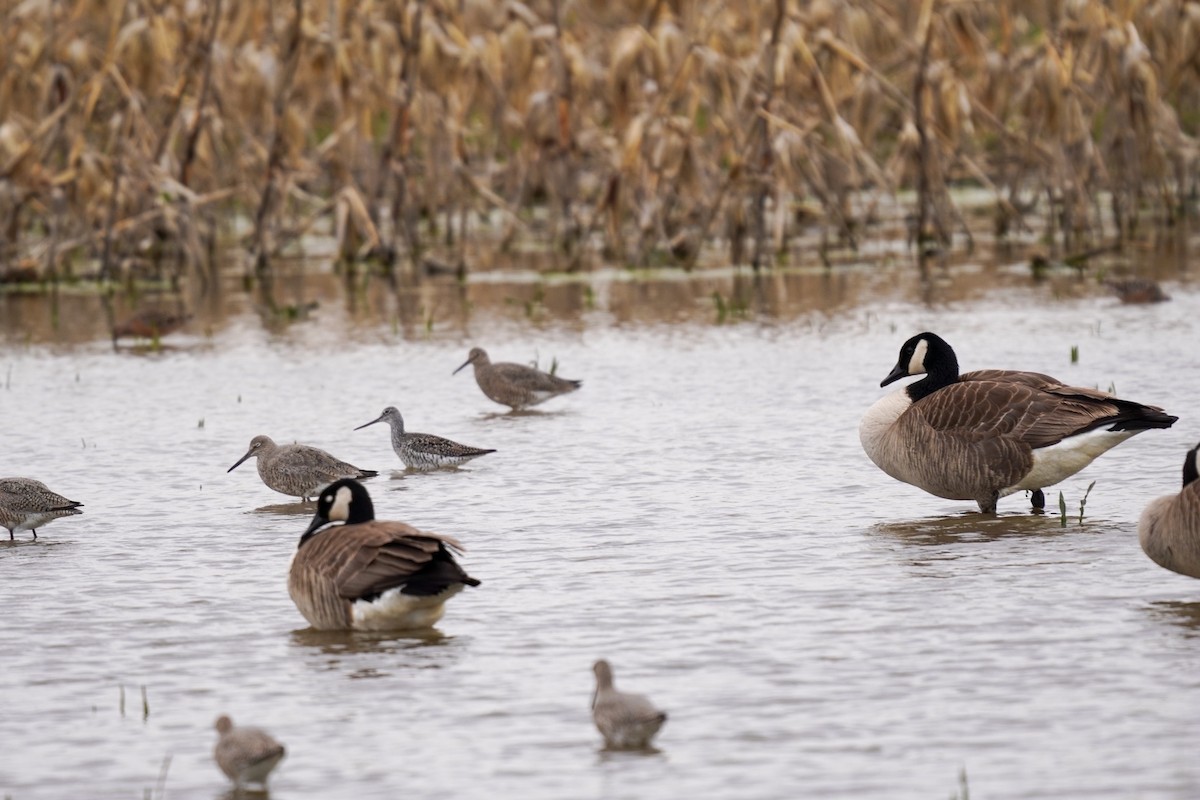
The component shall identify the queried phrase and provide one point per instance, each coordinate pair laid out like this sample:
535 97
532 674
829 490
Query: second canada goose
627 721
26 505
985 435
515 385
1169 529
368 574
246 755
297 469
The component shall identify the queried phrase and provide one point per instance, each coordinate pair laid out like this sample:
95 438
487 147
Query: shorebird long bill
372 422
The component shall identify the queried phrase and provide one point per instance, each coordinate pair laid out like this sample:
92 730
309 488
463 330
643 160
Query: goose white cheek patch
916 364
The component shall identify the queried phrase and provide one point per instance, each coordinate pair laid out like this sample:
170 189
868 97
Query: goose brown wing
1038 417
1036 380
367 559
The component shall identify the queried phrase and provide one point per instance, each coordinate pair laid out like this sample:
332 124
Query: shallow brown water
700 513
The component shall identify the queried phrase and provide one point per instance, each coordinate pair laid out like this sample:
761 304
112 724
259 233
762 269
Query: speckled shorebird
151 323
26 505
246 755
987 434
1169 529
424 450
627 721
297 469
515 385
368 574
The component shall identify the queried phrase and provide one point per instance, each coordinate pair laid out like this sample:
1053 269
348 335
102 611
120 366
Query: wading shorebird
986 434
150 323
424 451
1169 530
26 505
297 469
627 721
246 755
368 574
515 385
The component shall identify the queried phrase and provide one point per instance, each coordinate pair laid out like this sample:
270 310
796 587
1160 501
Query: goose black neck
1190 472
941 370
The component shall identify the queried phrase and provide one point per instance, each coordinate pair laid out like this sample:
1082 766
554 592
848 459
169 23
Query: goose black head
344 501
925 354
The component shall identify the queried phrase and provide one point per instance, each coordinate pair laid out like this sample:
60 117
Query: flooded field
700 513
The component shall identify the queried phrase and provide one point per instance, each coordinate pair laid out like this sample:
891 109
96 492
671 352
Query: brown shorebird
515 385
1169 529
982 438
627 721
26 505
297 469
1137 290
150 323
246 755
424 451
368 574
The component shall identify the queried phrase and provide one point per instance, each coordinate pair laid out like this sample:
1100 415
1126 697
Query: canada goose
368 574
297 469
26 505
627 721
424 450
982 438
246 755
515 385
1169 529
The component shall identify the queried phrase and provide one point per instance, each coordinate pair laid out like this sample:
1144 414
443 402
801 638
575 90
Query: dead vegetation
432 133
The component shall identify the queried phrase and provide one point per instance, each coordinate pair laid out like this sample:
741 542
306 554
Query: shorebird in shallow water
150 323
627 721
424 450
987 434
1169 529
297 469
515 385
26 505
1137 290
368 574
246 755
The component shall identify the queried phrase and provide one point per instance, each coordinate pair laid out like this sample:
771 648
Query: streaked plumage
515 385
993 432
627 721
26 505
1169 529
368 574
424 450
297 469
246 755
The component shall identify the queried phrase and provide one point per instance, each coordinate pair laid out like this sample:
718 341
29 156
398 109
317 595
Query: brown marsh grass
432 134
